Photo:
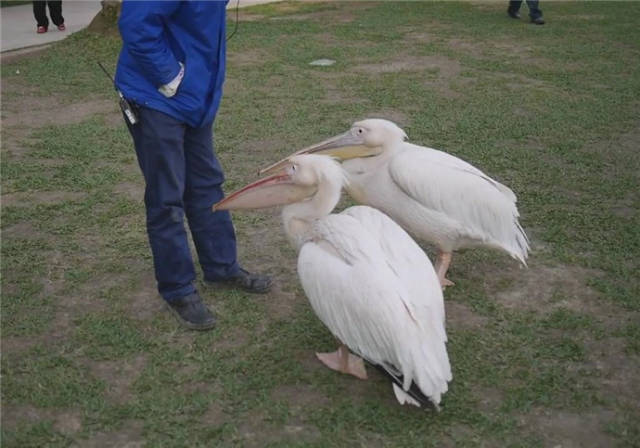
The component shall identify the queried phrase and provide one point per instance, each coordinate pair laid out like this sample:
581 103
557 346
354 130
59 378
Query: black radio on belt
126 108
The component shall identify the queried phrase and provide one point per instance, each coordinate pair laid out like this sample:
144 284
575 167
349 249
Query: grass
541 357
6 3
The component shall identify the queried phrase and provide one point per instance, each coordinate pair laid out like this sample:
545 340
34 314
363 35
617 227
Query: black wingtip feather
414 392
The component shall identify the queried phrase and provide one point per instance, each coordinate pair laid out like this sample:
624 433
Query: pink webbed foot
343 361
444 282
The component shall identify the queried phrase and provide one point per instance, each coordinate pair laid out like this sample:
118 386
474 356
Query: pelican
436 197
365 278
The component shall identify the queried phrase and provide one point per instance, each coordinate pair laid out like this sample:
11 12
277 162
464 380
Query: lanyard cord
235 28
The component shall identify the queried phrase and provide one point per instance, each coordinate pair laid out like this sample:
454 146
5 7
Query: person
40 13
535 14
171 68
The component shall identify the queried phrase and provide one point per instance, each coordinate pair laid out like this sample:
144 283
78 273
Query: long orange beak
343 147
279 189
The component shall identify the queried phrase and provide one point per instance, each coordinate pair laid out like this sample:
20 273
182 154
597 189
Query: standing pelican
365 278
433 195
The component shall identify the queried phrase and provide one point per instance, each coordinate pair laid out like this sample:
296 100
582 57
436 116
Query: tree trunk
106 21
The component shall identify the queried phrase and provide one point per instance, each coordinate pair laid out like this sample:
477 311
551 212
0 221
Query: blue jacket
156 35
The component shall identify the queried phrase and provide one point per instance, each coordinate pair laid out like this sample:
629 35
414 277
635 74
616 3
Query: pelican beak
278 189
342 147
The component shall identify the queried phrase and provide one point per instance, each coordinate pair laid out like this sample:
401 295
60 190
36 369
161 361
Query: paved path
19 26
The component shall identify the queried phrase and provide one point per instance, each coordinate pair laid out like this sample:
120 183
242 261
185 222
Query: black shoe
513 14
537 20
191 312
256 283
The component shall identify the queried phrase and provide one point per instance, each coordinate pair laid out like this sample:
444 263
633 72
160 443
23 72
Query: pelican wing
355 292
443 158
409 262
483 208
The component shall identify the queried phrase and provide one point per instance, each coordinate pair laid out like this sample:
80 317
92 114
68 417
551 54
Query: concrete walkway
19 26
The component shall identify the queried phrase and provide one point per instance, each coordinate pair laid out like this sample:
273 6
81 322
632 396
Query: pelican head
366 138
312 179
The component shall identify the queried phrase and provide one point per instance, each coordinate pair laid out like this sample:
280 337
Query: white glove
170 89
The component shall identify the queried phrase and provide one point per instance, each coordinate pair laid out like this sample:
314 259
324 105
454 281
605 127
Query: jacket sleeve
141 26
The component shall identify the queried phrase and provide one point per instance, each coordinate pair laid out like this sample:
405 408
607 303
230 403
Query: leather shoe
255 283
537 20
191 312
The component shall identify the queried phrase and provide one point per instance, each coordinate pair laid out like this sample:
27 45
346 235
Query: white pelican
433 195
365 278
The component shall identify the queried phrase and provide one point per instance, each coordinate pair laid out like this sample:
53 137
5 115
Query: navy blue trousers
534 10
183 178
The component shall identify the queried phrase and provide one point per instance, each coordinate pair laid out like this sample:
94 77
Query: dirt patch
618 372
22 230
421 36
145 302
584 17
344 13
460 316
15 344
40 197
442 71
260 151
569 430
256 431
60 327
624 211
131 190
24 111
37 112
457 434
231 340
329 40
17 141
446 67
280 303
13 415
517 82
472 48
338 96
623 148
215 416
308 360
546 288
334 93
489 398
129 435
118 376
67 422
299 396
244 16
23 53
247 58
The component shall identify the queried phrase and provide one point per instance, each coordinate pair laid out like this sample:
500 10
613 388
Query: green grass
6 3
551 111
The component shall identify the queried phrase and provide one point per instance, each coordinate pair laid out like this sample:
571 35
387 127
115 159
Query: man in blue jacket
171 67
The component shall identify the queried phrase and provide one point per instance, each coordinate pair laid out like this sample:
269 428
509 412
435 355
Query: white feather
377 292
403 397
439 198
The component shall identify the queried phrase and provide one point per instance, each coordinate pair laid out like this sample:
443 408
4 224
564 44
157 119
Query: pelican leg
343 361
442 265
